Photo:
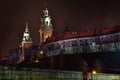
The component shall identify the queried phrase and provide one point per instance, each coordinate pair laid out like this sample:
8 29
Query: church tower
46 26
26 43
27 40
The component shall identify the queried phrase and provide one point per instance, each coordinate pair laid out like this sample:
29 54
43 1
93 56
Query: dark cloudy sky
76 14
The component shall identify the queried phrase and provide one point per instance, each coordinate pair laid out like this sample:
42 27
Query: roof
87 33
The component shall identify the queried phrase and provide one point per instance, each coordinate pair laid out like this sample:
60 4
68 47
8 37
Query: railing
103 76
17 73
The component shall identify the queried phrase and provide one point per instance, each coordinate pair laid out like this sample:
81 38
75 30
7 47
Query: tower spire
45 5
46 25
46 19
26 29
26 24
26 35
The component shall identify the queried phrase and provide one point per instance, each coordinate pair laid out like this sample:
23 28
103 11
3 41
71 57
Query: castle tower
46 26
26 42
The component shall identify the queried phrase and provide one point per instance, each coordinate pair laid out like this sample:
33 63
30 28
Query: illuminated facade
76 43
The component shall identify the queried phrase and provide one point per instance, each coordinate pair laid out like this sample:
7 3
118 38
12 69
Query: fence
15 73
103 76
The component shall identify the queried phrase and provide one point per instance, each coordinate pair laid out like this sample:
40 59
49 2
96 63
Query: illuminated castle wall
87 42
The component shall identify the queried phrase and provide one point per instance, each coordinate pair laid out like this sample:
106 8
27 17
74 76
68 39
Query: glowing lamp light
94 72
41 52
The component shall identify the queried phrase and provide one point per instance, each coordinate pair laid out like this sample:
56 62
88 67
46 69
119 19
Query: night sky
76 14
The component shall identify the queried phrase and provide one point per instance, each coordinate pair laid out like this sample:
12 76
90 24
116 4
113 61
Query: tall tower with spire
46 26
26 42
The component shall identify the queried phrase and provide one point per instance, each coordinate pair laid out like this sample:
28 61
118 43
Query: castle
64 50
98 40
45 32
